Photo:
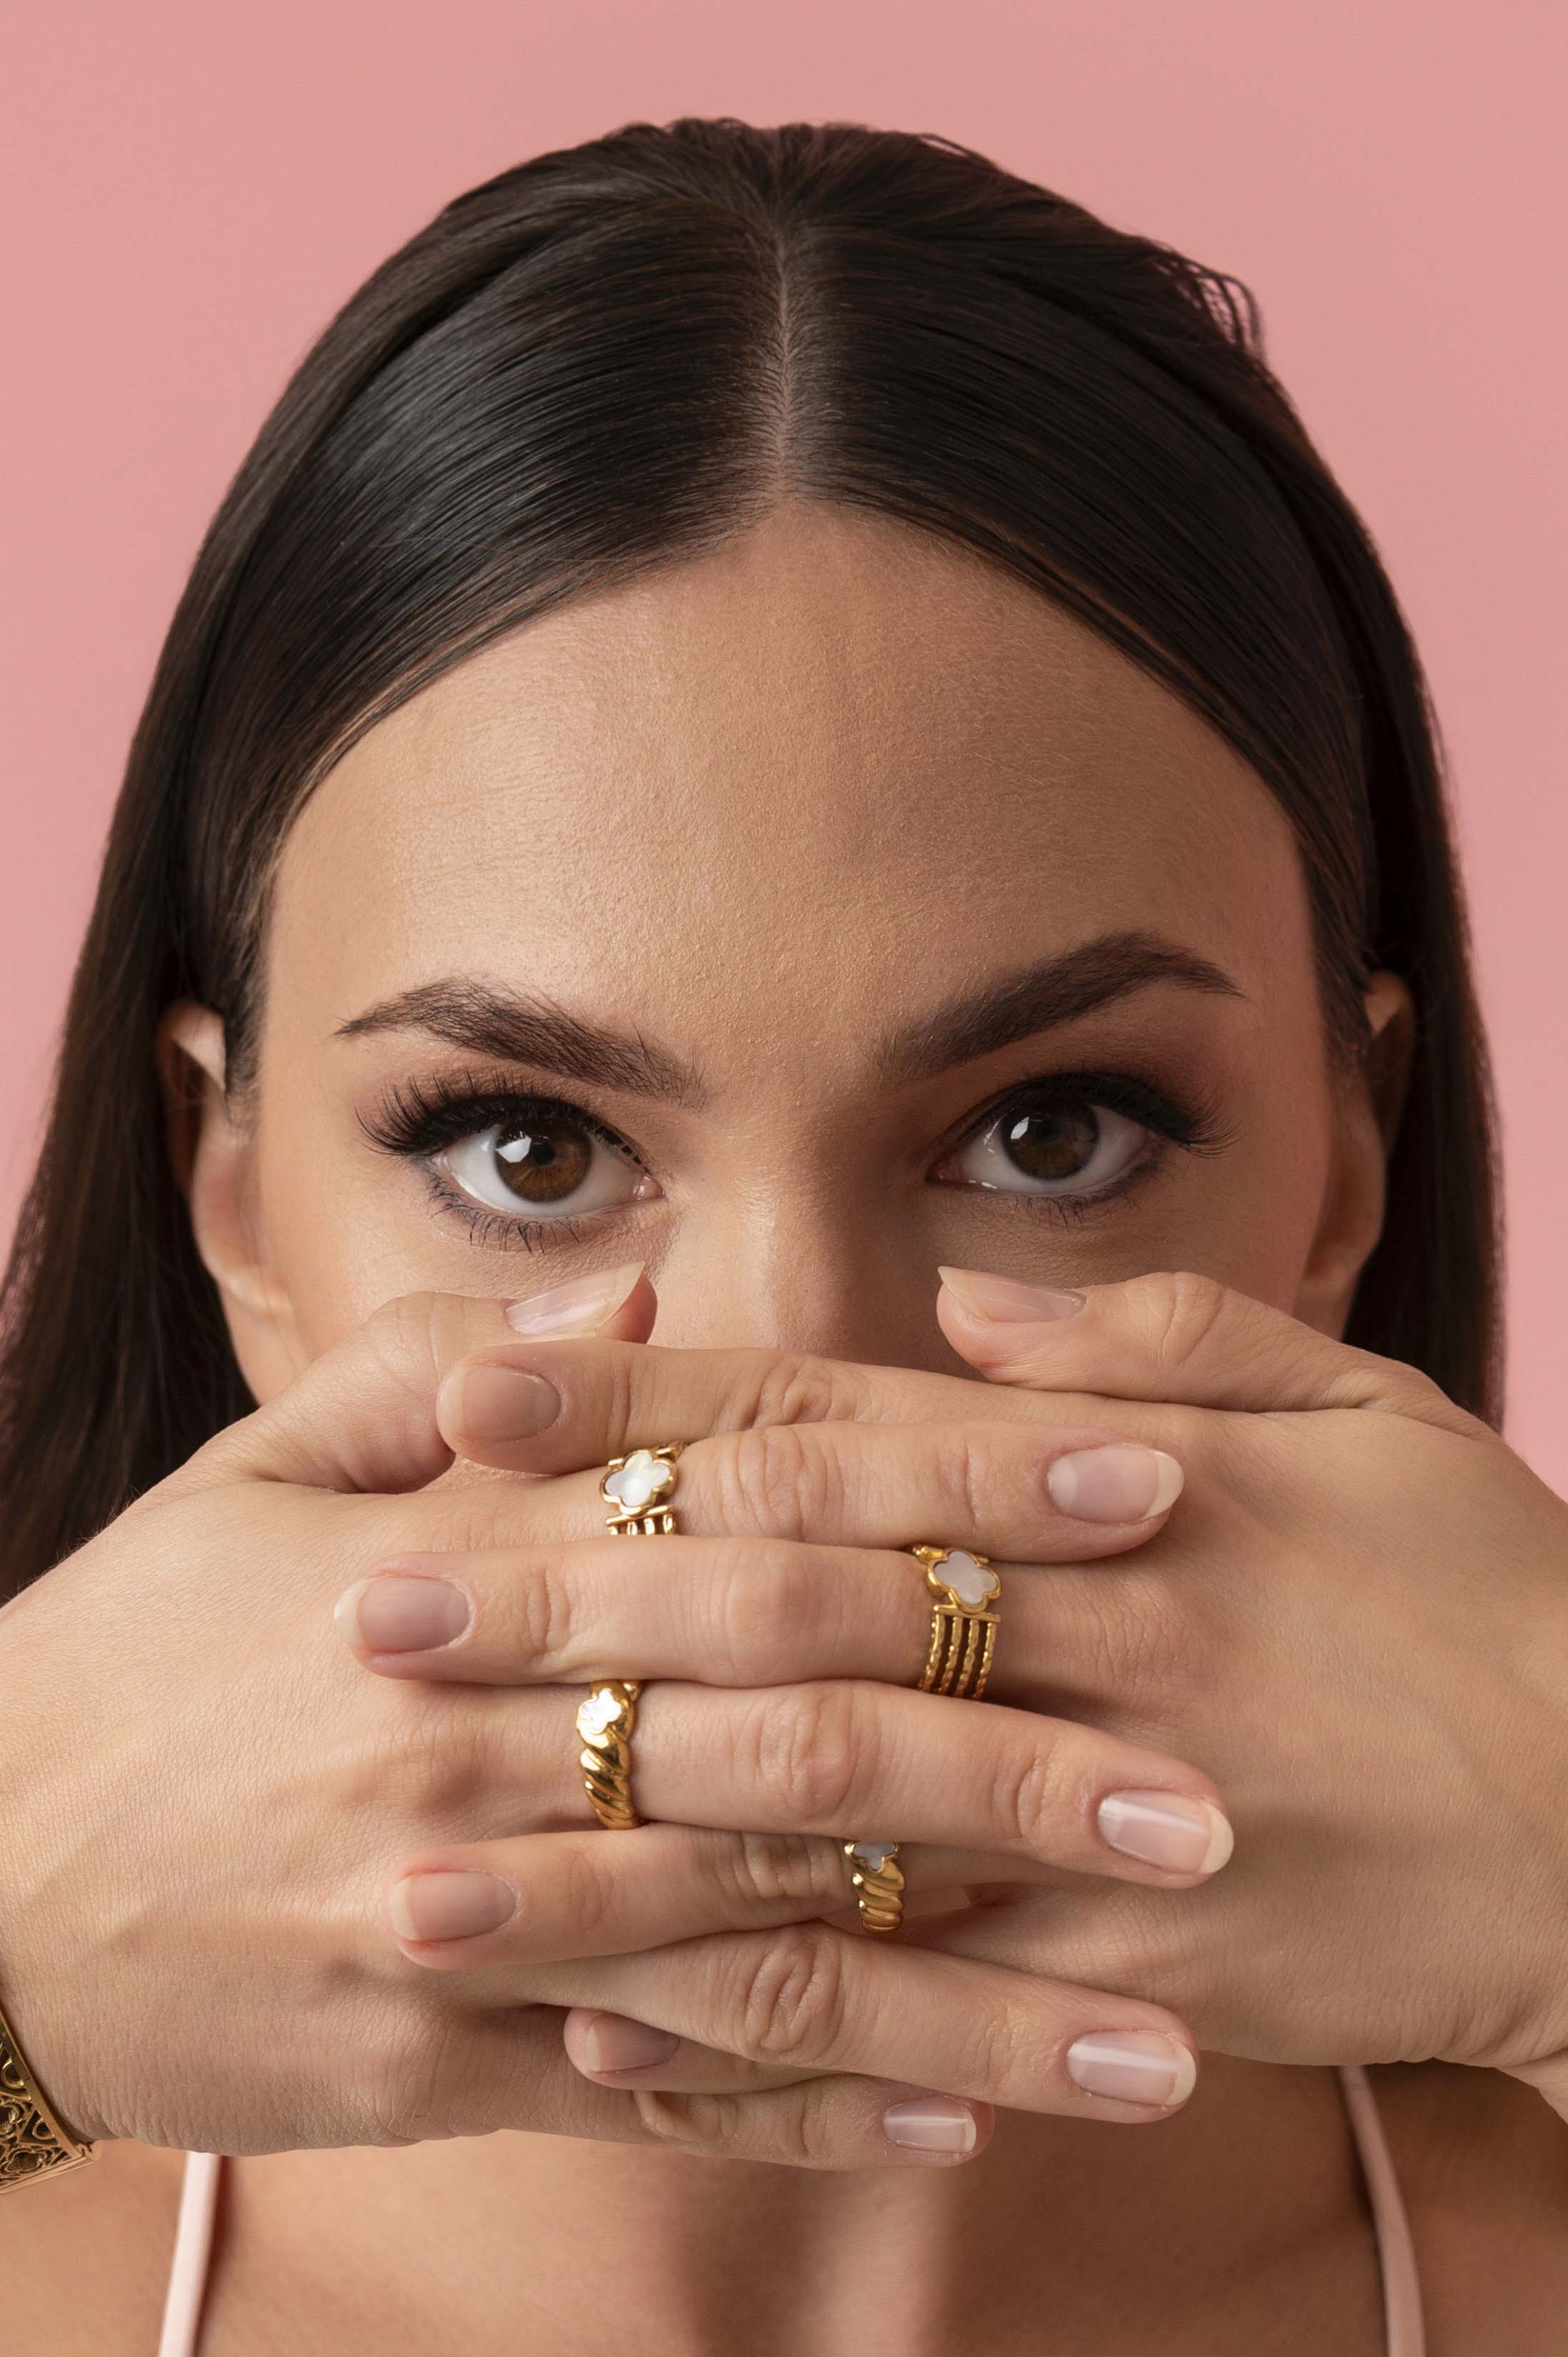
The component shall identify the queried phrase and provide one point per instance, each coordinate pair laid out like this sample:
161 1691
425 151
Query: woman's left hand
1355 1622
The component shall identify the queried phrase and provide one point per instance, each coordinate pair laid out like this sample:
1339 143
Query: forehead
835 766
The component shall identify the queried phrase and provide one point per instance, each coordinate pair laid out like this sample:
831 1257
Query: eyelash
416 1119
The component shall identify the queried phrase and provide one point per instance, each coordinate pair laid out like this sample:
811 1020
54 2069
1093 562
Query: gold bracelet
32 2141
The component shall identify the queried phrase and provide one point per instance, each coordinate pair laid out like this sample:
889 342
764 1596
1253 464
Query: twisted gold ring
879 1882
963 1631
636 1490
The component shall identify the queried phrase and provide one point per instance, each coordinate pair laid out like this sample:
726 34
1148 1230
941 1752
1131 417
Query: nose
787 1274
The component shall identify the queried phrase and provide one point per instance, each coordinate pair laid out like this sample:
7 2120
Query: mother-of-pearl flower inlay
972 1583
641 1480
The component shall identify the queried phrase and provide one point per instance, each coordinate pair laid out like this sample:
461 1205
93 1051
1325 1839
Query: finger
615 2051
362 1415
1178 1338
728 1612
816 1998
846 1759
503 1905
614 1399
1030 1491
512 2072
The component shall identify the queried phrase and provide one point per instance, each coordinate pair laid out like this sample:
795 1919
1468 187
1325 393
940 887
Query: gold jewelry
604 1726
878 1881
963 1633
635 1487
32 2141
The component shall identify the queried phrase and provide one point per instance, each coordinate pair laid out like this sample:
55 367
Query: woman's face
794 919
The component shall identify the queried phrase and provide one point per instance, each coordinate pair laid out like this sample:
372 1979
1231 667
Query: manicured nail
1134 2066
449 1906
1120 1483
1007 1297
496 1403
1189 1837
578 1307
613 2043
931 2124
396 1613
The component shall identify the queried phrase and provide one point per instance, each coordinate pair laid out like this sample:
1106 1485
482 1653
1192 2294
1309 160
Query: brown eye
1058 1143
1061 1146
544 1163
541 1161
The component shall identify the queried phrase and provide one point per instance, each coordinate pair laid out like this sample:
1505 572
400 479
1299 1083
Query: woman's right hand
206 1795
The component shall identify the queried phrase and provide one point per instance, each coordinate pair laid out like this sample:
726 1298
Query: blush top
1404 2335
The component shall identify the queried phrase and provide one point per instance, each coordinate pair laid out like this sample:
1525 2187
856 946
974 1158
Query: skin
718 807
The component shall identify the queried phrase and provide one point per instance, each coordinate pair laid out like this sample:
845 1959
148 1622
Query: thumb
362 1415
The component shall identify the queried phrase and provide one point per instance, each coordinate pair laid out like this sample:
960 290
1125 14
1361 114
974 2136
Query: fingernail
1003 1297
1121 1483
613 2043
576 1306
1134 2066
1189 1837
496 1403
449 1906
393 1613
931 2124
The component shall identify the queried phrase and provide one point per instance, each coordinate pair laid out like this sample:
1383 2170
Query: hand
204 1798
1356 1621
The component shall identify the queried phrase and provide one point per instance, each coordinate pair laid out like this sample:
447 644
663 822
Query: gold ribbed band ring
636 1490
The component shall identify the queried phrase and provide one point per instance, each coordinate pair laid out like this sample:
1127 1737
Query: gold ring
963 1630
635 1487
878 1881
604 1727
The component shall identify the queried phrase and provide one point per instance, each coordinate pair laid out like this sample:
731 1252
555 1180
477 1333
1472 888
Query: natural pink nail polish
397 1612
1134 2066
1166 1829
1008 1298
497 1403
613 2043
931 2124
454 1905
578 1307
1120 1482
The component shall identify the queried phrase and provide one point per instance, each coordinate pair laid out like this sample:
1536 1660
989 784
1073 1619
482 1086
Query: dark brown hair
620 354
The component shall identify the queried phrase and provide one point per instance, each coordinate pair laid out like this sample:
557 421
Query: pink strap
192 2248
1403 2327
1402 2323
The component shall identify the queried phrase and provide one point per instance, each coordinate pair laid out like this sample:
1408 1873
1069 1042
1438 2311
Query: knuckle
778 1480
766 1595
792 1996
808 1752
406 2092
768 1870
796 1387
541 1611
1031 1794
1177 1311
587 1892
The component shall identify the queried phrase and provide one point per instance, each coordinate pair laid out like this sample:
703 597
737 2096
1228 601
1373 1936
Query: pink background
193 188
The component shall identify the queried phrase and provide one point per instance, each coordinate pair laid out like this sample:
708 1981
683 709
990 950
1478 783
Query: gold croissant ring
878 1883
636 1490
966 1591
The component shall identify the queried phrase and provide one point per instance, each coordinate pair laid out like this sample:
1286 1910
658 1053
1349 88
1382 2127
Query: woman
793 722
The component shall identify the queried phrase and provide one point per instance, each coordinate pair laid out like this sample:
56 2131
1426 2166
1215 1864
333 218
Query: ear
1370 1103
210 1149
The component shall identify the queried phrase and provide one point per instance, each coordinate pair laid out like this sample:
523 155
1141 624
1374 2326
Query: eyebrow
515 1028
